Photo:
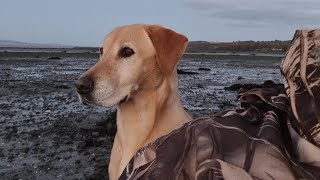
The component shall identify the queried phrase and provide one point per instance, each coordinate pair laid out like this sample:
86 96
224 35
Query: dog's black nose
84 85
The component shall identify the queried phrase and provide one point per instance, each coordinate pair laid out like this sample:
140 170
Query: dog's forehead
127 34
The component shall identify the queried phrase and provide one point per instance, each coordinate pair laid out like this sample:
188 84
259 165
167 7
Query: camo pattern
275 135
301 72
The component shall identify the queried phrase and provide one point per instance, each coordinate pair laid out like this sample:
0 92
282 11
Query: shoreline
88 52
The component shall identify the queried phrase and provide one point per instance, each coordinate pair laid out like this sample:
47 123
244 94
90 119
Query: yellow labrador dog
137 73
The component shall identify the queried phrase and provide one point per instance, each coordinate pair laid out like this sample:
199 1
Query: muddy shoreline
45 133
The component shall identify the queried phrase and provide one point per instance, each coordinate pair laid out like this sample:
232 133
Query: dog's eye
126 52
101 51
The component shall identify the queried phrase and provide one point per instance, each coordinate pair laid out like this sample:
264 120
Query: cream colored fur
148 78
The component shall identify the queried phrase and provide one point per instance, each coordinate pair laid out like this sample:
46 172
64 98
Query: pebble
95 134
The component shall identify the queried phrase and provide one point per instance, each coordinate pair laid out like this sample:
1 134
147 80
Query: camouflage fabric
301 70
274 136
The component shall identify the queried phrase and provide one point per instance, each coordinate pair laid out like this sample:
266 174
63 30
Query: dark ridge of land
275 47
63 54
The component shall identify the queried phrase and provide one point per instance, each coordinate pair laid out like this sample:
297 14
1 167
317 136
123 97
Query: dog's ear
169 46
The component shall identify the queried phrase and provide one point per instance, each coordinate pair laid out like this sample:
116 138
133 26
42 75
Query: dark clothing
276 134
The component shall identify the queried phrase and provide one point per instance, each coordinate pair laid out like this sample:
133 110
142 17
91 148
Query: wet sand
45 133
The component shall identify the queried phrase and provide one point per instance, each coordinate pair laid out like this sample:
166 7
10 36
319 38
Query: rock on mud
179 71
54 58
204 69
266 84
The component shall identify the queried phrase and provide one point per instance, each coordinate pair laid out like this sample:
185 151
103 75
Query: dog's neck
148 116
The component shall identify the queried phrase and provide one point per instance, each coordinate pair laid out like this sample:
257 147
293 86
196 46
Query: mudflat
46 133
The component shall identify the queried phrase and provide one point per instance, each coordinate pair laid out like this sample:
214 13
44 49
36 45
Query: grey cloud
258 12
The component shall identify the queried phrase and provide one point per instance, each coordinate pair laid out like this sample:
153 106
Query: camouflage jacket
275 135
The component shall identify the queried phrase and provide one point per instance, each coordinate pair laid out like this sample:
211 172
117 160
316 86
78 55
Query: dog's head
132 58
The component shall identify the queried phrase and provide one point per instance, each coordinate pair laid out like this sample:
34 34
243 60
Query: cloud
259 12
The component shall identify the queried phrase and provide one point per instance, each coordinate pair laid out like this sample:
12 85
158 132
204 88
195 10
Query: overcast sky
86 22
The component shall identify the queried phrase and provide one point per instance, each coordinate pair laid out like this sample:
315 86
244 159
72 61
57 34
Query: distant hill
18 44
193 47
238 46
